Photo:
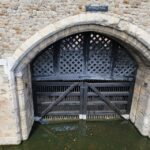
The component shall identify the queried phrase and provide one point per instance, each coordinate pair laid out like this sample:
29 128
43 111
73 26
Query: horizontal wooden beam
106 93
69 103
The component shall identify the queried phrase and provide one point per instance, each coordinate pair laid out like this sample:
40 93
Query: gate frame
128 34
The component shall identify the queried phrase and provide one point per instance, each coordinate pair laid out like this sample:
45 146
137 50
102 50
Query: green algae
84 135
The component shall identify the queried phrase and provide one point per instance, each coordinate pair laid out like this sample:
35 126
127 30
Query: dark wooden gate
83 74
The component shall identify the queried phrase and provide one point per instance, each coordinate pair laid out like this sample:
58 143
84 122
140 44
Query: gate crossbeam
58 100
103 98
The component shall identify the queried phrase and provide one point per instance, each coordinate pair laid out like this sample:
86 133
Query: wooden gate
84 74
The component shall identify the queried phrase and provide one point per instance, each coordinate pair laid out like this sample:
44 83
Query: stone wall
20 19
24 91
140 114
9 130
142 119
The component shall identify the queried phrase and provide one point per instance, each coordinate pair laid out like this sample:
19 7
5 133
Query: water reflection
82 135
64 128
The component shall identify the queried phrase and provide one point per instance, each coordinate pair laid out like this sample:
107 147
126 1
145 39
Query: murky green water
96 135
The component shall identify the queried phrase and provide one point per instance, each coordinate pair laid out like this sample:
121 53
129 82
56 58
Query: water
81 135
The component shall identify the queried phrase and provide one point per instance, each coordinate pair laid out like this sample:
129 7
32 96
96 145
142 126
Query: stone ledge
9 141
27 130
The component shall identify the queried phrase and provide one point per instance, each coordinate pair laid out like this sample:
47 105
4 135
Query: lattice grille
82 55
43 65
124 65
98 41
89 57
99 55
71 55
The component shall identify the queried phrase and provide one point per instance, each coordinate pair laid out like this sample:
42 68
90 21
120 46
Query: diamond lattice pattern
71 55
90 54
100 48
124 64
43 65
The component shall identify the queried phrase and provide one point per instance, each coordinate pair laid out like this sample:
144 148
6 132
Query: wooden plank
79 77
81 97
70 103
103 84
111 84
107 93
56 56
63 113
61 103
59 83
65 107
58 100
101 102
85 96
106 100
108 112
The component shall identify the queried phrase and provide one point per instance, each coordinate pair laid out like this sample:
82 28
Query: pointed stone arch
126 33
112 26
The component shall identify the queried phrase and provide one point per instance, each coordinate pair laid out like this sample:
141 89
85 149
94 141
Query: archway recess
99 71
129 35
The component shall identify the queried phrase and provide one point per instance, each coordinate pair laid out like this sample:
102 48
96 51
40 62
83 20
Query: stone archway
130 35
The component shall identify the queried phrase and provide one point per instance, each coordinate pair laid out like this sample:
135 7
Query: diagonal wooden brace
106 100
59 99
